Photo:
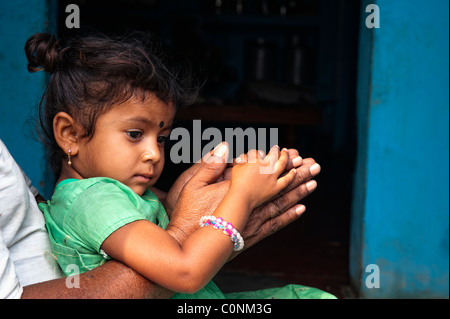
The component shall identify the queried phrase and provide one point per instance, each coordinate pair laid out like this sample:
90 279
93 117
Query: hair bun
42 51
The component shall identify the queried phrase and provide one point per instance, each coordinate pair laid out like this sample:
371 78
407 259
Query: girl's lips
144 177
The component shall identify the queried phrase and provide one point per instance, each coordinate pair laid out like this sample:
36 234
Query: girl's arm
152 252
156 255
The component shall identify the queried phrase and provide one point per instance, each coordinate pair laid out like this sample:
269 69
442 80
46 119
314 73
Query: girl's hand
258 180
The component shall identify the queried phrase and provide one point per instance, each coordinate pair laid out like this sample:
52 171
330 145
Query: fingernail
314 169
300 209
297 161
311 185
220 150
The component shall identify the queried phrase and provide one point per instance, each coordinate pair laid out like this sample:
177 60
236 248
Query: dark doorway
289 65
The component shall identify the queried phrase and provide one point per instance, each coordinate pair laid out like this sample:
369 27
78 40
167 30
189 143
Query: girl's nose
151 154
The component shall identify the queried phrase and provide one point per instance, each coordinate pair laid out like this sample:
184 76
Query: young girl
106 113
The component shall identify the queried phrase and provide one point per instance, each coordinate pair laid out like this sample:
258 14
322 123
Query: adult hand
283 209
200 189
211 165
196 193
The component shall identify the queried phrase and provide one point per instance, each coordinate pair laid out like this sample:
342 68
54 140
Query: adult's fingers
280 221
304 173
259 226
294 159
286 199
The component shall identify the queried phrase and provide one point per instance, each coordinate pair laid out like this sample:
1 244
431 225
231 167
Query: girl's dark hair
90 74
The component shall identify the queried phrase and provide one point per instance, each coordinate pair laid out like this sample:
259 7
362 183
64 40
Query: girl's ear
67 132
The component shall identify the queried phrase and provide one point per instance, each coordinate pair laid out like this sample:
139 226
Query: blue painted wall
21 91
401 200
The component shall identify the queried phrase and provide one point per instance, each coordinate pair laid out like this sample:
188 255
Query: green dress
83 213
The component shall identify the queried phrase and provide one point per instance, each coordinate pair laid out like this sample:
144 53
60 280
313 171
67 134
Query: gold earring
68 155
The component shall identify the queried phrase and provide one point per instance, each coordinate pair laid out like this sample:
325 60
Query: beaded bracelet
227 228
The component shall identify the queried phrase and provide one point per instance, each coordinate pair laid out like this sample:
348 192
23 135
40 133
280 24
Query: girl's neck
67 172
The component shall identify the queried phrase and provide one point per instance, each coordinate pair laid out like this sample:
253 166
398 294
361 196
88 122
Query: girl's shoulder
97 199
84 184
102 189
104 184
89 194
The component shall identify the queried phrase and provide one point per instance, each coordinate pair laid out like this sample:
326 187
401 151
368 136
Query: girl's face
128 144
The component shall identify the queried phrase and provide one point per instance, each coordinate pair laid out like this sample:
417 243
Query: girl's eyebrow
140 119
145 120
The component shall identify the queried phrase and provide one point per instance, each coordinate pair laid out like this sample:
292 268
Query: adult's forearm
110 280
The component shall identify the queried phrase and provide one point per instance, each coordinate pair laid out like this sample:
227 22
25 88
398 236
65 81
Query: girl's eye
161 139
134 135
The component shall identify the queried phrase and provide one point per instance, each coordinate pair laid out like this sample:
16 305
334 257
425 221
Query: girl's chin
141 188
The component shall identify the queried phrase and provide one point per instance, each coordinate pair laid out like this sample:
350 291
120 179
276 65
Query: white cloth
25 252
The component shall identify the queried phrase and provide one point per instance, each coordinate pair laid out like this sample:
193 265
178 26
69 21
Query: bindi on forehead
161 124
